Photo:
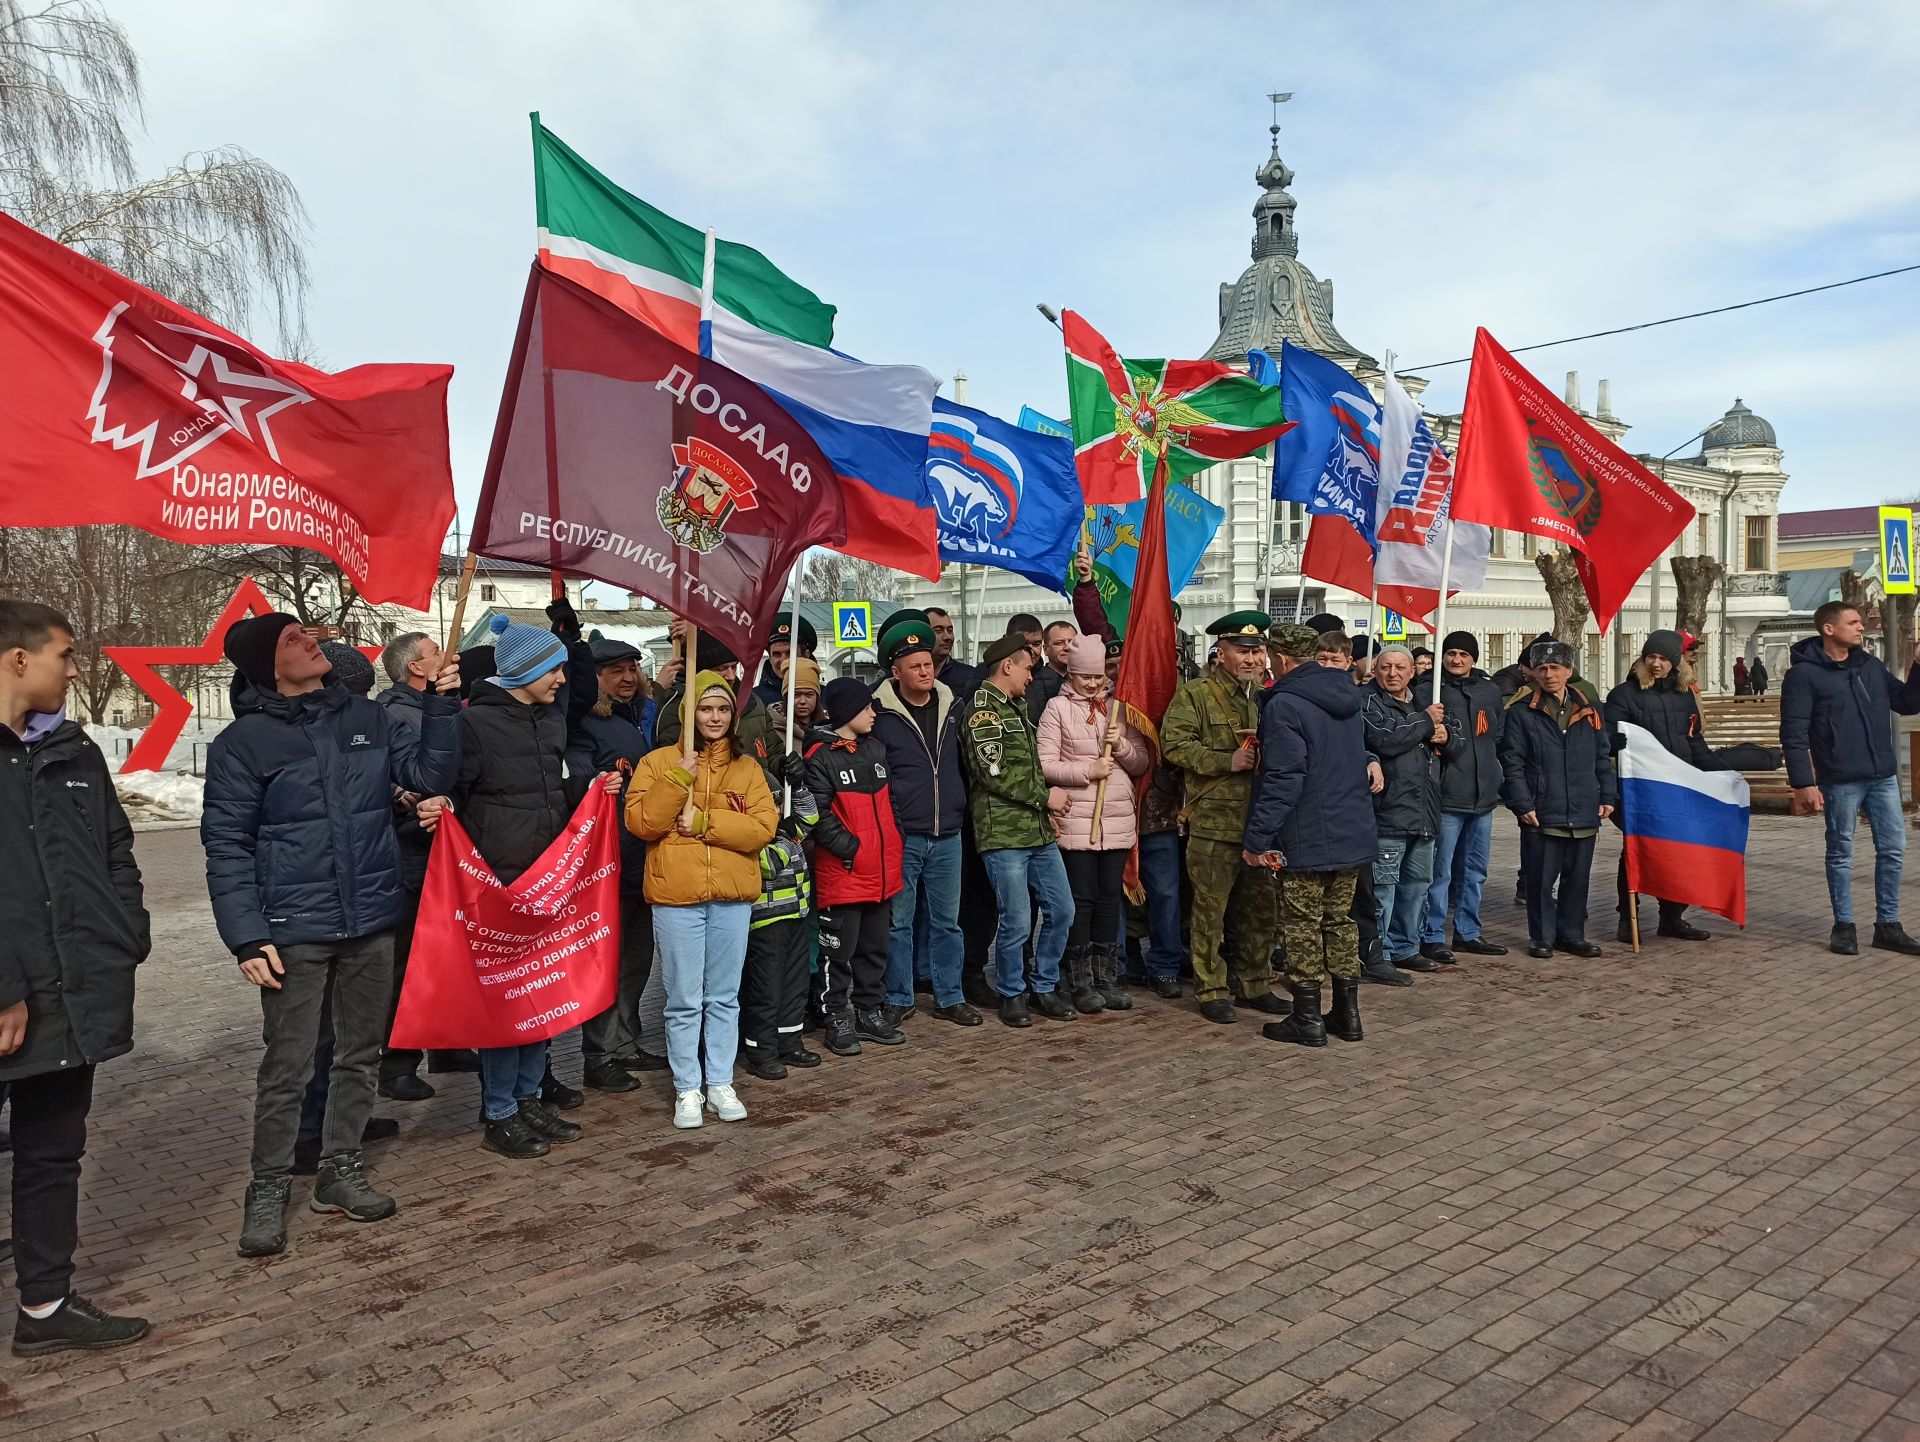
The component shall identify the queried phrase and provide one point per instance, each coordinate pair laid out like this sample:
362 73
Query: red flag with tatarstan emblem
1527 462
1128 413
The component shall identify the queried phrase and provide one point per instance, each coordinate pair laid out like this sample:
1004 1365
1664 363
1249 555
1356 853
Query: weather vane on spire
1279 98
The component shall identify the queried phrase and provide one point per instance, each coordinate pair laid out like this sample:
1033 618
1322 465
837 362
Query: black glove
566 623
793 770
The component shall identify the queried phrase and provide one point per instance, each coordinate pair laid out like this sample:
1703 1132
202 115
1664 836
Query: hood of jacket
1680 678
1332 691
247 699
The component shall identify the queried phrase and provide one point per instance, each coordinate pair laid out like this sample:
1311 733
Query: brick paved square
1660 1198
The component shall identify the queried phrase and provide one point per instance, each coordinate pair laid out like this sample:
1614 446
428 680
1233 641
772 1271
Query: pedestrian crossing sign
1393 626
1896 550
852 624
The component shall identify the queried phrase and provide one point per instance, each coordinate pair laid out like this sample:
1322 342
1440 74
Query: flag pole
1633 916
689 705
1440 617
1373 597
793 671
1106 749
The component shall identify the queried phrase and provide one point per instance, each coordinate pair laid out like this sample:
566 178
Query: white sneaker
726 1104
686 1110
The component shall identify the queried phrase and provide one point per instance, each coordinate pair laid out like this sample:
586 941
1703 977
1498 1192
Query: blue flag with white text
1002 495
1330 461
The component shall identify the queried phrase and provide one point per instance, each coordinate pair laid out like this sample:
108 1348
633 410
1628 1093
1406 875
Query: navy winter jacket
1310 799
1834 715
1470 770
612 737
406 708
1400 735
1563 777
297 819
929 793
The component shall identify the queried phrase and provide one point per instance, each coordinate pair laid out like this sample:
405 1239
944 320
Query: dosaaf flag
124 409
1005 496
870 420
503 965
621 456
1529 463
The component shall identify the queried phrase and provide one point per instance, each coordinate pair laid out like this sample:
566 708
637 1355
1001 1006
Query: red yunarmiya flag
1527 462
121 408
622 456
1149 668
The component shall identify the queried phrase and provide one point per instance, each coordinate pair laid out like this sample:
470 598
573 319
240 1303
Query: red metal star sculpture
173 709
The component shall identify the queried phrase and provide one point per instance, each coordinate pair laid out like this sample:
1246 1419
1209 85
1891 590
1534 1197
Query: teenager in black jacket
72 930
1470 779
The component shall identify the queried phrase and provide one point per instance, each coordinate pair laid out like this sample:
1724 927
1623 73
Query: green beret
903 638
1291 639
1242 628
783 631
1004 647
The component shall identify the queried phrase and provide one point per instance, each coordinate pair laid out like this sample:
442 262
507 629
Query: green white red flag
1129 414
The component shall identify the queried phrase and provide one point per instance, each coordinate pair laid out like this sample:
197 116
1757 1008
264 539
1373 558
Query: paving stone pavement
1668 1198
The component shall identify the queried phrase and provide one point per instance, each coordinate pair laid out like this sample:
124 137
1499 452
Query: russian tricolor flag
1685 830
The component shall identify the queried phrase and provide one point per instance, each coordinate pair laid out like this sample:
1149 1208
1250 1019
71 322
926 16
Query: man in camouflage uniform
1211 733
1013 810
1312 822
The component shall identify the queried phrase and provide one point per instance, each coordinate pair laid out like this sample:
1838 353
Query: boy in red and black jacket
855 882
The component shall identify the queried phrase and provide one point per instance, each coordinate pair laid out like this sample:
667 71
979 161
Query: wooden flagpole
689 705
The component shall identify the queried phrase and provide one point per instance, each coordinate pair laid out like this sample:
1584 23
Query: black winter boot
1109 962
558 1095
1344 1020
1891 936
343 1188
263 1227
1077 968
1305 1027
543 1121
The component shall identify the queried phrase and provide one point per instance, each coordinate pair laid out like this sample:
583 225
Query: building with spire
1733 482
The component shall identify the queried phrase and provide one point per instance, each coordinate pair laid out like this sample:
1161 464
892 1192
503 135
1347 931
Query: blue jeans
1844 801
1401 875
508 1074
1022 878
930 873
702 951
1160 873
1460 862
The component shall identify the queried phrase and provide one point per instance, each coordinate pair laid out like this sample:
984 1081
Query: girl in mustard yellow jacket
703 874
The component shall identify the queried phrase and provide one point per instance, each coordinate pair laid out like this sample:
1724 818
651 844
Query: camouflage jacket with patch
1199 735
1005 787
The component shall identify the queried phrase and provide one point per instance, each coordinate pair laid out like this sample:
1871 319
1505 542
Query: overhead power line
1670 320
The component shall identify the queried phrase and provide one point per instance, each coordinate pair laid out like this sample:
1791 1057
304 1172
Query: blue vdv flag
1032 420
1330 461
1192 522
1003 496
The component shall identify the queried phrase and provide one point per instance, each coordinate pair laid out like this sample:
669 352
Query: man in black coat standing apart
72 930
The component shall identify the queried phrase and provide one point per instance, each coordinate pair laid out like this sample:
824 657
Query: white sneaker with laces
686 1110
726 1104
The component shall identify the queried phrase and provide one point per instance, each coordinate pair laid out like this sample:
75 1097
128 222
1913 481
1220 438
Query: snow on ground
170 794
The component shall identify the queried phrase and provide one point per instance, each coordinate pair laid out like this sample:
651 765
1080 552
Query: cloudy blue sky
935 170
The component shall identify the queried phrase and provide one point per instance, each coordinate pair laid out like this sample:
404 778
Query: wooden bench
1755 720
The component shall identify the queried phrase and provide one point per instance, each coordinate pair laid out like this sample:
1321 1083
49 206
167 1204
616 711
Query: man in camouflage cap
1211 733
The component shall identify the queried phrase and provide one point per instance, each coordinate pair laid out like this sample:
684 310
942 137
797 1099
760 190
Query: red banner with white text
494 965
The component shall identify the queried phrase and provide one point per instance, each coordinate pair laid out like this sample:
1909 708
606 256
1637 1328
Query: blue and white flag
1032 420
1330 461
1003 496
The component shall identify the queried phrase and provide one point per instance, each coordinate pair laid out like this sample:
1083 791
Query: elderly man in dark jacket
1837 730
1407 738
1311 820
1559 781
73 927
303 869
1469 791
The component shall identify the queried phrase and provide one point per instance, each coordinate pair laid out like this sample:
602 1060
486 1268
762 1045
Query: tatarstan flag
1127 413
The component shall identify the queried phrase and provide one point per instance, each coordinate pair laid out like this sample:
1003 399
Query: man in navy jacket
917 718
1838 734
304 872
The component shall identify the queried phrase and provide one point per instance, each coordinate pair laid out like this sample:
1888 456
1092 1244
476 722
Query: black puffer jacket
610 738
1400 736
1470 771
406 708
1564 778
929 792
297 817
72 923
1666 707
1310 799
512 792
1834 715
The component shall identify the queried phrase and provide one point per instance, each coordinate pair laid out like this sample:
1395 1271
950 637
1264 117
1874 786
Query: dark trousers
1529 848
1565 862
1096 878
854 943
49 1138
1365 912
979 915
360 974
773 988
392 1063
614 1035
1671 912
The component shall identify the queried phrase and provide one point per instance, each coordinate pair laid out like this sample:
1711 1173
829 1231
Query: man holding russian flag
1683 830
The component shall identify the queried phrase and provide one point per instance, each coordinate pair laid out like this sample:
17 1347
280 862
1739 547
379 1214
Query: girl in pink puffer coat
1077 726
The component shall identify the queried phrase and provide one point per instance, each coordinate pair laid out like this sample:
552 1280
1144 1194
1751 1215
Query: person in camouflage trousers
1211 733
1013 812
1312 822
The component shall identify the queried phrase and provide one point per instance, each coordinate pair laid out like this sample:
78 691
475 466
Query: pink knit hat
1087 656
